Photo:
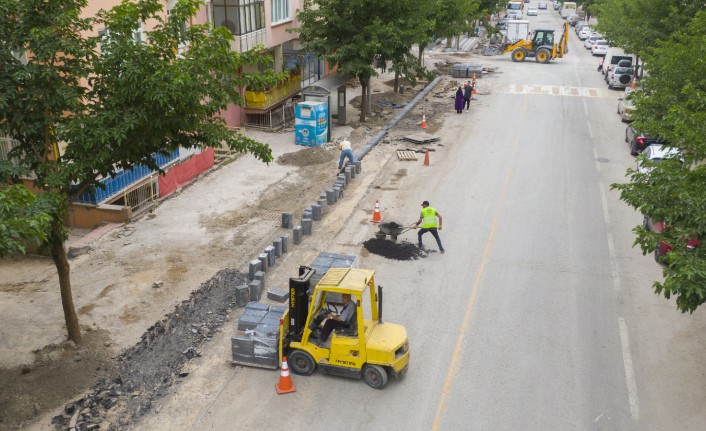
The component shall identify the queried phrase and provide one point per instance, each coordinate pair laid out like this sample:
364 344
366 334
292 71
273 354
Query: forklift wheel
375 376
301 362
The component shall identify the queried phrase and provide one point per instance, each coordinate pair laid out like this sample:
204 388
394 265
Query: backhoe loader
541 46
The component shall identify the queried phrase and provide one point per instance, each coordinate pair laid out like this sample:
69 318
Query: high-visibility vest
428 217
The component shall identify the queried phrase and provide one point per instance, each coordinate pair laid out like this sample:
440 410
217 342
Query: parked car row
618 70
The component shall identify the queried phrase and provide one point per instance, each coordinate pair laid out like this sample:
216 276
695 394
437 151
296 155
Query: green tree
672 106
638 25
354 35
110 100
23 220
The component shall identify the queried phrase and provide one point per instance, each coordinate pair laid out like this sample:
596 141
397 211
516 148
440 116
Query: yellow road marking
456 357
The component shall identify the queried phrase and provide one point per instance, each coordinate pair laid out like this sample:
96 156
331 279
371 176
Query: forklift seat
352 329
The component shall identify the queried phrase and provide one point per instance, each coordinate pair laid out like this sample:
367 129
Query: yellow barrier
265 99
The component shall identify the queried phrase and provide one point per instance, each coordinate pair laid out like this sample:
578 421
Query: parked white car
600 48
590 40
586 32
654 154
625 109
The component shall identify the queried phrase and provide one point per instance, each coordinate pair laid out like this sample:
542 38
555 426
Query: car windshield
602 43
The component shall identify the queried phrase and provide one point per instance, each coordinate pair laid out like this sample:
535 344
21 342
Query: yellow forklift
541 46
365 347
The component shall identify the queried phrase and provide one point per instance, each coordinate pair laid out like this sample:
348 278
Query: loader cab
543 38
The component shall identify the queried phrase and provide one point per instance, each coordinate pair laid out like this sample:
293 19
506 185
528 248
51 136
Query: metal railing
272 120
6 145
143 196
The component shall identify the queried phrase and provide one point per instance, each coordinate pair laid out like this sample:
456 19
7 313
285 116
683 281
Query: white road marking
614 272
595 159
585 107
553 90
629 372
590 129
604 203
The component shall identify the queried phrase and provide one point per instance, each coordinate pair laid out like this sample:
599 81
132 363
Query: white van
567 9
612 57
514 10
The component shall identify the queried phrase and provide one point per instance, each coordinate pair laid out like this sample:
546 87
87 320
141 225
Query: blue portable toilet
311 123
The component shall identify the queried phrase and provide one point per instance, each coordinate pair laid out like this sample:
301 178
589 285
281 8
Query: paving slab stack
258 341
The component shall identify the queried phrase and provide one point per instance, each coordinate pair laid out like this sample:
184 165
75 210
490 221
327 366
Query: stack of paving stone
259 344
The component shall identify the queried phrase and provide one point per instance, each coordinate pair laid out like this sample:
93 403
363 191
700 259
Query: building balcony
248 41
273 96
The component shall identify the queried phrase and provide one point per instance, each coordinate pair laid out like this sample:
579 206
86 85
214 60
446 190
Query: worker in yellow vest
428 221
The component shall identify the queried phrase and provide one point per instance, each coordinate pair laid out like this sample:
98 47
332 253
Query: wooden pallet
406 155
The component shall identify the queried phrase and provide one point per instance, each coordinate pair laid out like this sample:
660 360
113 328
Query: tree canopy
109 101
672 106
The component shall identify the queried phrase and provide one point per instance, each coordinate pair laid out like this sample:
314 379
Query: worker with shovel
428 220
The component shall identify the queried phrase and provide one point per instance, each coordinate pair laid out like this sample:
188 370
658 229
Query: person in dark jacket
467 94
459 100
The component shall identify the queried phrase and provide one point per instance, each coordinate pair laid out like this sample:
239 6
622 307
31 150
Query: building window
139 33
280 10
239 16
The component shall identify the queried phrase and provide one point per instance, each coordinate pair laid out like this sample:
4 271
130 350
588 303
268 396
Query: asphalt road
540 316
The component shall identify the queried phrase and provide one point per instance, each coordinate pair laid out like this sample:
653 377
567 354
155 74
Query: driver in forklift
342 320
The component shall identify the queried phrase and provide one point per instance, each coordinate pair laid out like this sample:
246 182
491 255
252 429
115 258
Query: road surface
540 316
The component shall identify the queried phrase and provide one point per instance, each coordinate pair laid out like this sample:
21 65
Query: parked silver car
620 77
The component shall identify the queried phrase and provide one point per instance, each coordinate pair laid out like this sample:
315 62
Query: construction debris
420 139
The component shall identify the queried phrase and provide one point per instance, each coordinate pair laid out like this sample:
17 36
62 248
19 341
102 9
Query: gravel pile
147 370
394 250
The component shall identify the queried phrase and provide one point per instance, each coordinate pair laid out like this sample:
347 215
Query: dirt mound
309 156
59 372
394 250
147 370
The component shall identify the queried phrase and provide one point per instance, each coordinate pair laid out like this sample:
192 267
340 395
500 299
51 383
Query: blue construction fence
124 179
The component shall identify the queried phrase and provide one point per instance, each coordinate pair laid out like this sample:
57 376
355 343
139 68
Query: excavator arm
563 47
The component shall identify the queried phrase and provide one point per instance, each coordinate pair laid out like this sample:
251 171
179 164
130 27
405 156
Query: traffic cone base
377 218
424 121
426 158
285 384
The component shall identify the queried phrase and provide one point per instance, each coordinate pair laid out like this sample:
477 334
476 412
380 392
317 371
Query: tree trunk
62 267
396 85
363 98
420 57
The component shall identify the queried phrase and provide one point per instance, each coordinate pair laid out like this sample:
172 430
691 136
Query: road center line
629 372
604 203
456 357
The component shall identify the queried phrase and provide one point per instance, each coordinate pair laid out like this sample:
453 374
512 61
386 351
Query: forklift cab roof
346 280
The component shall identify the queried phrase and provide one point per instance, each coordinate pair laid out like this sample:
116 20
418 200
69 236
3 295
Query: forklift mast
299 301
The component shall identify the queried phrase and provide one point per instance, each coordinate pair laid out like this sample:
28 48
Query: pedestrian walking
427 218
458 103
346 151
467 94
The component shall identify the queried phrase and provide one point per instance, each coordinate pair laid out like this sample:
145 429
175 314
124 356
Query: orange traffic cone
474 84
424 121
634 82
285 385
426 158
377 218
